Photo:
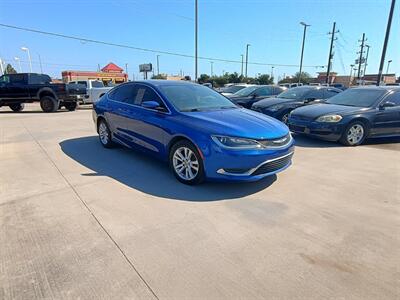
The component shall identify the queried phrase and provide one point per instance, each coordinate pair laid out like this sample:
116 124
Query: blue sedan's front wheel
105 134
186 163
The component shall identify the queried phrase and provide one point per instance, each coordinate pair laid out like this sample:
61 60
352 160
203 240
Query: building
111 73
347 81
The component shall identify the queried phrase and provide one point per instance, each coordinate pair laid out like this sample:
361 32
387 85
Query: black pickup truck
17 89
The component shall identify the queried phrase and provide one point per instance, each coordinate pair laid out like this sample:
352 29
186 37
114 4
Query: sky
271 27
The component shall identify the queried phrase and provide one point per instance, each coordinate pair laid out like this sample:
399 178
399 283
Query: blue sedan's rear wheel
186 163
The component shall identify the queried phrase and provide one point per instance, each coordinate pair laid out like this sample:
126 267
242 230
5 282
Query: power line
82 39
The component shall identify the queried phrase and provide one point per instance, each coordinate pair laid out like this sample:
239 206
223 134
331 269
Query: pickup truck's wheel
71 106
17 107
49 104
105 134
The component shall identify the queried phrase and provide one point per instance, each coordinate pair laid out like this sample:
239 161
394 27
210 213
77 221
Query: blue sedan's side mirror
386 105
150 104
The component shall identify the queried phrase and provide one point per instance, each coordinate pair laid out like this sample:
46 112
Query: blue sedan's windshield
359 97
195 97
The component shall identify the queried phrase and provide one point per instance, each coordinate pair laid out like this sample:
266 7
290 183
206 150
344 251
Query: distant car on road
247 96
94 90
232 89
199 132
17 89
284 103
351 116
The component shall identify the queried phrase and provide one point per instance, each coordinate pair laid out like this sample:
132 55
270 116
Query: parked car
199 132
232 89
351 116
94 90
340 86
252 94
284 103
17 89
290 85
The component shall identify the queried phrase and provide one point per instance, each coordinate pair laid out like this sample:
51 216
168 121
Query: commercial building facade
110 74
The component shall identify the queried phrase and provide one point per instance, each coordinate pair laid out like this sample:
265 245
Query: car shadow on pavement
309 142
150 176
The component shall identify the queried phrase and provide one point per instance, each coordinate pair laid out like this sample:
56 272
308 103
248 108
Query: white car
230 90
94 90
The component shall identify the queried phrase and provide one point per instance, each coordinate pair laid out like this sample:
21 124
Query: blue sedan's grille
300 117
279 142
274 165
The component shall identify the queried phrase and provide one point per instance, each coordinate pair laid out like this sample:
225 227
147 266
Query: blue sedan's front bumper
246 165
325 131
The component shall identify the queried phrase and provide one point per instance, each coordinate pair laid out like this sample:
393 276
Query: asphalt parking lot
81 221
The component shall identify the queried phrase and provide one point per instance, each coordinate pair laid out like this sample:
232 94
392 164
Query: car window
5 79
358 97
393 98
150 95
97 84
17 78
265 91
330 93
83 83
39 79
315 94
125 93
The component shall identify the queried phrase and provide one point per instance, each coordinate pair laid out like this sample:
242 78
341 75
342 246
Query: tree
159 76
305 78
204 78
10 69
265 79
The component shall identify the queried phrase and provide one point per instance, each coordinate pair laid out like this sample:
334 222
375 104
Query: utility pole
241 71
389 24
272 72
158 64
247 59
126 69
211 63
360 58
351 73
195 39
387 69
302 48
328 71
40 62
366 60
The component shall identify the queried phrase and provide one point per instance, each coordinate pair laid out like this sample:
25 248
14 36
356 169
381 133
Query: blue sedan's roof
163 82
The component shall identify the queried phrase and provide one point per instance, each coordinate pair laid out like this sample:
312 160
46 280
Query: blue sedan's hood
239 122
317 110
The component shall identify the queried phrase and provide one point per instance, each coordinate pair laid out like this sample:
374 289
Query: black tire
17 107
105 136
49 104
71 106
195 156
354 140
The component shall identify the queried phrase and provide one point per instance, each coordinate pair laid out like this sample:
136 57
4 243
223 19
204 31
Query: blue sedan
201 134
351 116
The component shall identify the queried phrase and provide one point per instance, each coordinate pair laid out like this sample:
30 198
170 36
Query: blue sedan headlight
236 143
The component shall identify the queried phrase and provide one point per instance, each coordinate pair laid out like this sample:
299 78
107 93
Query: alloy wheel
355 134
103 133
185 163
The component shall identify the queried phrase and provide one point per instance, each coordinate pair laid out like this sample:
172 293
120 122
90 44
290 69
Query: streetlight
158 65
211 63
272 72
19 63
247 58
302 47
29 56
387 69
